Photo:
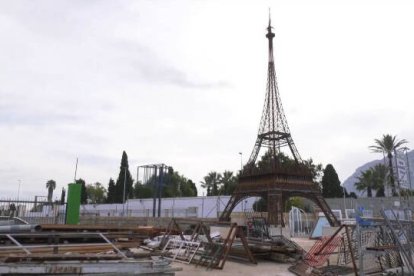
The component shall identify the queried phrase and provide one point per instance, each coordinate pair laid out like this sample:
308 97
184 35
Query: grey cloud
21 117
154 70
169 75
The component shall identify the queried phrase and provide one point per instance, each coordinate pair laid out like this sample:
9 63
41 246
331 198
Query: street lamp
343 191
18 190
241 161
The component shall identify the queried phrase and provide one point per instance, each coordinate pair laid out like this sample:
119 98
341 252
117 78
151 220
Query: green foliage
51 186
84 195
353 195
173 185
387 145
211 183
96 193
63 196
228 181
285 161
124 181
331 186
294 202
110 198
315 169
142 191
267 160
374 178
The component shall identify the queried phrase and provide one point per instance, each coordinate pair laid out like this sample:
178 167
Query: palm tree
380 174
387 145
229 182
211 182
207 184
50 185
365 182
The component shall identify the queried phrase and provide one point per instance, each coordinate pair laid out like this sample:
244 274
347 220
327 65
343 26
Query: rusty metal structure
277 178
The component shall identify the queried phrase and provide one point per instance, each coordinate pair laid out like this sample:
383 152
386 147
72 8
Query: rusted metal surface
275 181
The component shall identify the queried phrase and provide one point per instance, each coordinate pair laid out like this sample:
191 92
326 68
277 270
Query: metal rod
18 244
123 201
113 246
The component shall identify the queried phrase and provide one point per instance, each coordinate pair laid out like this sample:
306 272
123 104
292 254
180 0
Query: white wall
201 207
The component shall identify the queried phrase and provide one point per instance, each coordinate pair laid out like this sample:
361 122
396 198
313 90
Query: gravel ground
263 268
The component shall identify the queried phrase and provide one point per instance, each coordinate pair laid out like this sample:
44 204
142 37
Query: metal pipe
20 228
154 192
160 189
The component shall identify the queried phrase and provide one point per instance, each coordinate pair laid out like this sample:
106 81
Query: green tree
173 185
188 188
51 186
96 193
63 196
365 182
122 181
228 181
373 178
387 145
84 195
211 183
110 198
142 191
380 174
331 186
315 169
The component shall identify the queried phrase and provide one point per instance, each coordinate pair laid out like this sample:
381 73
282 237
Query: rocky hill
351 180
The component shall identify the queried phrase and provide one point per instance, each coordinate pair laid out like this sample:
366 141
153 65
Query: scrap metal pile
80 250
210 244
381 246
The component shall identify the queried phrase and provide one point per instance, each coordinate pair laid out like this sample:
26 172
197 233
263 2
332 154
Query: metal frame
190 249
276 182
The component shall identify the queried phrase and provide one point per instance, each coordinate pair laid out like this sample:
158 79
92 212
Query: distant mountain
351 180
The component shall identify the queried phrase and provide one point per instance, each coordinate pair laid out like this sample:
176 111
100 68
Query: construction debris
68 249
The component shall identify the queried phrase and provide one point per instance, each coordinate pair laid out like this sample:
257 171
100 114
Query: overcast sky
183 83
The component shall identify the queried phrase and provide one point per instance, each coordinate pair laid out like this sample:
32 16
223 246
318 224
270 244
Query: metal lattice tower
275 181
274 131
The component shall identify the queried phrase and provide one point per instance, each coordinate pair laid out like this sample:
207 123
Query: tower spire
274 131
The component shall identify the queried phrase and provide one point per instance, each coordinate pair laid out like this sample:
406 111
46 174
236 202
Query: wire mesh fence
38 211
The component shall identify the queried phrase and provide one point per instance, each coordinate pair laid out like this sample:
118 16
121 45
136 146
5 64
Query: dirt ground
263 268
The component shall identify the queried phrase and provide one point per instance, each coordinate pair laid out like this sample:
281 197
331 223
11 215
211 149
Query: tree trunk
392 182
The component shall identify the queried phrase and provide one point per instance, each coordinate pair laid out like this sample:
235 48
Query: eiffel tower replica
275 178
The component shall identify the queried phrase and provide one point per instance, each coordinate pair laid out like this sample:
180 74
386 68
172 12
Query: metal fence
34 212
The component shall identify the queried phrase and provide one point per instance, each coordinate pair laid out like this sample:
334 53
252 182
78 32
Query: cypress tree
84 195
119 186
331 186
111 191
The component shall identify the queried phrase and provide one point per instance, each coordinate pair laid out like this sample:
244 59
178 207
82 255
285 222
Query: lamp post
241 161
18 190
343 191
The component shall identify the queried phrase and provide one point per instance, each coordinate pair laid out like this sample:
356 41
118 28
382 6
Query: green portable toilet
73 203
